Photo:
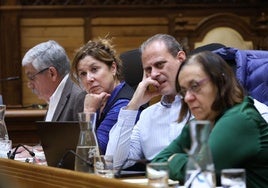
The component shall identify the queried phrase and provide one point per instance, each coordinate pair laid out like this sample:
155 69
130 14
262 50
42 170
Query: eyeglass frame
194 88
31 78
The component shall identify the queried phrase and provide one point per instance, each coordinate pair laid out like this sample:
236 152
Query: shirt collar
164 101
57 94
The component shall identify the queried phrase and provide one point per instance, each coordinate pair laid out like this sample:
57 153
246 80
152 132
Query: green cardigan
239 139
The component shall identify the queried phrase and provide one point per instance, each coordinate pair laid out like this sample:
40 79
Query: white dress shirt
55 98
155 129
262 108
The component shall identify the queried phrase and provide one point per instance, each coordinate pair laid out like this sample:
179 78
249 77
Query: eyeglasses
194 88
31 78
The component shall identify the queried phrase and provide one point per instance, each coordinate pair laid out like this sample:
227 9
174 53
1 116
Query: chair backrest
207 47
132 67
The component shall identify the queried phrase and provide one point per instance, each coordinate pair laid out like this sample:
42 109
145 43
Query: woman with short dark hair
239 137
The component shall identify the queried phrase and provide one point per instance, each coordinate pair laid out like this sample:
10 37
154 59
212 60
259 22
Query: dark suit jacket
71 102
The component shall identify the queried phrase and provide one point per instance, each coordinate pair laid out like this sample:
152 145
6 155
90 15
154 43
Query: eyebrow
87 66
191 81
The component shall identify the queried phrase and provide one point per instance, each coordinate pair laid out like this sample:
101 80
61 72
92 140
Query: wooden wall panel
130 21
68 32
128 33
72 23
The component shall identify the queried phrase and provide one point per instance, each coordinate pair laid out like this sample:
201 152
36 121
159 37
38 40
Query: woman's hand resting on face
93 102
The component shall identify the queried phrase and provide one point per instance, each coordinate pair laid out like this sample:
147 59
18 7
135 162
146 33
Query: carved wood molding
125 2
223 20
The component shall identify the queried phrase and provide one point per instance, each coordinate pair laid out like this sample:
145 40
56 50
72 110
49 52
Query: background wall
226 36
72 23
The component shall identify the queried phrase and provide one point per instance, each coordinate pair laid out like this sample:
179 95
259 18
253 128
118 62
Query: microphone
9 78
61 162
12 155
33 106
118 174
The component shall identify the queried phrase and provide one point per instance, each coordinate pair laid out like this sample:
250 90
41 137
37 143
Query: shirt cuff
128 116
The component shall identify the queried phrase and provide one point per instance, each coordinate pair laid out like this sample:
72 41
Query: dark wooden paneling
21 125
10 58
183 20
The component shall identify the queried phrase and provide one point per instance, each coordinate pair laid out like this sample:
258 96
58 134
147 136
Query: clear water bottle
200 171
3 128
87 146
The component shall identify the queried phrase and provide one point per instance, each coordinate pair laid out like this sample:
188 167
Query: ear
53 73
181 56
114 68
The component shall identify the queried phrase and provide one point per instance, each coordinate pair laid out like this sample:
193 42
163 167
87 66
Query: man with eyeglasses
47 68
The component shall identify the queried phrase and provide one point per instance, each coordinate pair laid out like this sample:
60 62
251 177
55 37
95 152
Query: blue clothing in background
251 67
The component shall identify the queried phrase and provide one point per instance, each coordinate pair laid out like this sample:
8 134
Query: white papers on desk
144 181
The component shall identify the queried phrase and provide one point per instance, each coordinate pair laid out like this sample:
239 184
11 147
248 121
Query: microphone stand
61 162
12 155
9 78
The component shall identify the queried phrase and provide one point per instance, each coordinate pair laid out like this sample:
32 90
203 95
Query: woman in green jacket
239 137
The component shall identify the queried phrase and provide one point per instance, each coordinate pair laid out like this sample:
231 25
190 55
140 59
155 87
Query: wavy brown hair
101 50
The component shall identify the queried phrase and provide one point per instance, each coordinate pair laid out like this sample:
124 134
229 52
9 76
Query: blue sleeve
108 122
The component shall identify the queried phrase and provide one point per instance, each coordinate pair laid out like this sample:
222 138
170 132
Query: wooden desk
21 125
17 174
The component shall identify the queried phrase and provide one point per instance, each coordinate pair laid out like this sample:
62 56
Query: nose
90 77
189 96
154 73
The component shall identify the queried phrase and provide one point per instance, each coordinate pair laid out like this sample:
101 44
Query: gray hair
173 46
48 54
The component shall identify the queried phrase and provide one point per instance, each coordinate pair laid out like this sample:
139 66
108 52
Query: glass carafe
200 171
3 128
87 146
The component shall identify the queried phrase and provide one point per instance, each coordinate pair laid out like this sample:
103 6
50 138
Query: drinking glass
5 147
157 174
233 178
103 166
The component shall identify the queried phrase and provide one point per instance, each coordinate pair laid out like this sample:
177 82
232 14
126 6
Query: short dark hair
230 92
173 46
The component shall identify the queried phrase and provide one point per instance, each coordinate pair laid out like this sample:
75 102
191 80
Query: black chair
132 67
133 73
207 47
